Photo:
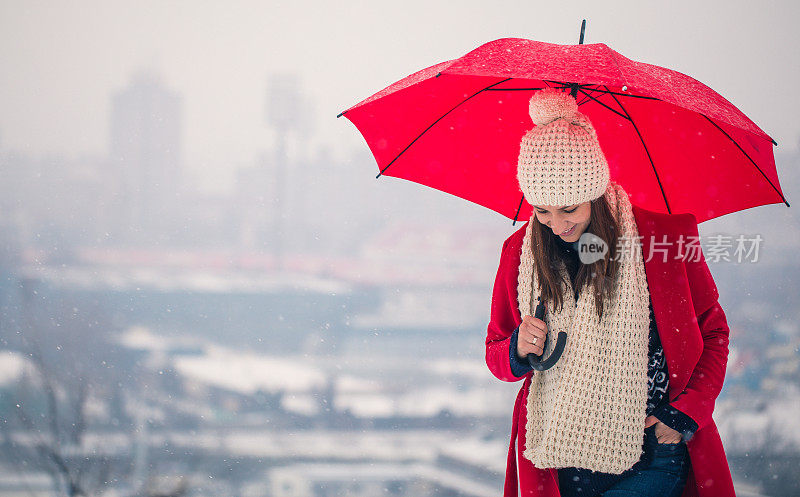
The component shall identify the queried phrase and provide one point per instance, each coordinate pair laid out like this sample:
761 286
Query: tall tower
286 112
145 142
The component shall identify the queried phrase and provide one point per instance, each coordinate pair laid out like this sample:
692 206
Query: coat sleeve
518 366
705 383
502 320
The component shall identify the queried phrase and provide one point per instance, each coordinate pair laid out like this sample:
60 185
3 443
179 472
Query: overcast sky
61 61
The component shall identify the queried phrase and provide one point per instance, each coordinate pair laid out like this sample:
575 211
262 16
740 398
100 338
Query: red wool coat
693 331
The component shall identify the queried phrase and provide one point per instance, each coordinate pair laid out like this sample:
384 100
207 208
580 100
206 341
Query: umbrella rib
624 116
585 100
748 157
645 97
585 89
434 124
566 85
512 89
650 158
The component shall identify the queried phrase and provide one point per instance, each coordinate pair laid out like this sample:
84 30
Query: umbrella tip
340 114
583 29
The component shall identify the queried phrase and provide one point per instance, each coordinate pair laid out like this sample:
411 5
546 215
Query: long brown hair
598 276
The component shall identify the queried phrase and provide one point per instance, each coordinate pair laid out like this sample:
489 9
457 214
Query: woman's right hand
531 330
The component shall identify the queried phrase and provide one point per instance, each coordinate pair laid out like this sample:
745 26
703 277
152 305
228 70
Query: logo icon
591 248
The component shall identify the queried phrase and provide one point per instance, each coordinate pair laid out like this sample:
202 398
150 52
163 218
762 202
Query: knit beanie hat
560 160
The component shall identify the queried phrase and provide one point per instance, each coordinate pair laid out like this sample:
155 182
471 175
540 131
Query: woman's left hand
664 433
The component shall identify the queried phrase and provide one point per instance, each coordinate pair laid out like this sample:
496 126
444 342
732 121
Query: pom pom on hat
550 104
560 159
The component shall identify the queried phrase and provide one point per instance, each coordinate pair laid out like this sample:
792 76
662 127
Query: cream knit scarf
588 410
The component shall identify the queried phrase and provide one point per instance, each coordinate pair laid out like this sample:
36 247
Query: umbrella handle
536 361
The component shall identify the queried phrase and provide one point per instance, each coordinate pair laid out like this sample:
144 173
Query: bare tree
60 343
73 362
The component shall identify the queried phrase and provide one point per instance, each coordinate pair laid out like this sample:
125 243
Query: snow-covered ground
12 366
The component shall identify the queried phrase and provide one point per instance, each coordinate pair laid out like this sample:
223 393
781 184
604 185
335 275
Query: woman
627 408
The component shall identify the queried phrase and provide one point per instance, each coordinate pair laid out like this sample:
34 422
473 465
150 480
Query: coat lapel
670 295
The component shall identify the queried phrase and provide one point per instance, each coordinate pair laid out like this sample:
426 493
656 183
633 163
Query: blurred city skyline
68 60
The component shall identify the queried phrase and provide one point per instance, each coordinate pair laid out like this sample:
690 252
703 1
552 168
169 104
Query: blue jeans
662 471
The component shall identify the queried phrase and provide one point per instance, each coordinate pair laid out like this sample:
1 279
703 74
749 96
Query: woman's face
563 218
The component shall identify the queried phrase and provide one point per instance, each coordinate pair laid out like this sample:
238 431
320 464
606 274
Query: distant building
145 142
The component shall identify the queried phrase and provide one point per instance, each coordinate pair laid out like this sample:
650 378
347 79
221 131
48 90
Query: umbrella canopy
672 142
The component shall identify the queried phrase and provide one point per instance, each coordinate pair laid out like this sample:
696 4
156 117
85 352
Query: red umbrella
672 142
